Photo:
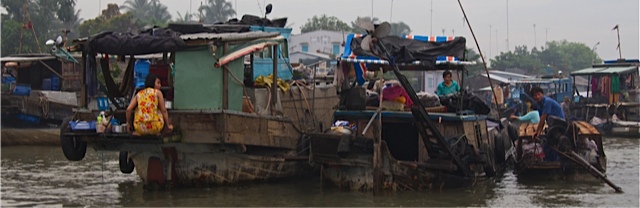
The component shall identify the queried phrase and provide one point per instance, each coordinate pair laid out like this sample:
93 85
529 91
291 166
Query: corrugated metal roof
229 36
605 70
508 74
538 81
27 58
497 78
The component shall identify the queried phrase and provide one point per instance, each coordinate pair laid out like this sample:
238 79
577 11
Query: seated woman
150 114
532 116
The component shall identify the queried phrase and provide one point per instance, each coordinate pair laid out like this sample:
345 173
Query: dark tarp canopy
155 40
405 50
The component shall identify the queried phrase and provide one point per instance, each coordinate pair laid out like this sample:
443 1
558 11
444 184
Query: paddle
581 161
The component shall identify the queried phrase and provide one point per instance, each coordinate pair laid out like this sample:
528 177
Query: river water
41 176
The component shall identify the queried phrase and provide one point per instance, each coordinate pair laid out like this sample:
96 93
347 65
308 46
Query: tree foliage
47 17
187 17
110 20
400 29
148 12
362 20
325 23
216 11
556 56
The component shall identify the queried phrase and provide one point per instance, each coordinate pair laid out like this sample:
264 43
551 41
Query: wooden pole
377 145
83 89
51 69
225 82
274 85
619 49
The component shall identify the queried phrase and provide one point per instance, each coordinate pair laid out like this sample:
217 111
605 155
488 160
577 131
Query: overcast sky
584 21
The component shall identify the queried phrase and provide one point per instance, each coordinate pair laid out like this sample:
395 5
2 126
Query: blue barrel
55 83
46 84
141 70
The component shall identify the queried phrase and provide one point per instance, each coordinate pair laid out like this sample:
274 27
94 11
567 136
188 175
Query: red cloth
391 93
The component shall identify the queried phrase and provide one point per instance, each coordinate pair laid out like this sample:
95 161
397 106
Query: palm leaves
149 11
216 11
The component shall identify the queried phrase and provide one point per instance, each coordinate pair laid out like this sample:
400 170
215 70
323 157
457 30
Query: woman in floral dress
150 112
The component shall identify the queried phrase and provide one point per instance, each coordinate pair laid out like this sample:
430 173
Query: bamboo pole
377 145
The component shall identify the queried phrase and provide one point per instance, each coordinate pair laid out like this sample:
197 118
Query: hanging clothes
615 84
594 84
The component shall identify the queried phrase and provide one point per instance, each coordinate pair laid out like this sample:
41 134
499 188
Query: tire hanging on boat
126 164
490 168
499 148
513 132
73 148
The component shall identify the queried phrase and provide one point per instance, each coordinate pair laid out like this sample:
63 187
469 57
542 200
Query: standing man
566 108
546 106
448 86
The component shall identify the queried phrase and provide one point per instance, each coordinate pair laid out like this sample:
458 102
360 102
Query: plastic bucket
55 83
141 70
46 84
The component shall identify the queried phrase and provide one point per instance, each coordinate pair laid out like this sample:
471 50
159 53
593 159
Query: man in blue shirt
546 107
448 86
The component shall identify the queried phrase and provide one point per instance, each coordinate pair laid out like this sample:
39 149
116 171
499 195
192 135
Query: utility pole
431 24
535 39
497 43
490 41
546 34
593 50
391 14
442 31
507 25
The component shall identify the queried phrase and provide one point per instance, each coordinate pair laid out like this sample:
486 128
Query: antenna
619 49
259 6
391 14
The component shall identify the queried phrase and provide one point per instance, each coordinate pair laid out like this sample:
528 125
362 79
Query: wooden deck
527 129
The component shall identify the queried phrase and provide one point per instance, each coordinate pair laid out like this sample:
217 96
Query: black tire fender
513 133
74 148
126 164
499 149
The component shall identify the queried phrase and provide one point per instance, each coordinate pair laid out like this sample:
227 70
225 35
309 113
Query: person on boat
532 116
565 107
546 107
448 86
150 112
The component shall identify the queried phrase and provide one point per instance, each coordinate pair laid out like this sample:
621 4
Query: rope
297 83
244 88
45 106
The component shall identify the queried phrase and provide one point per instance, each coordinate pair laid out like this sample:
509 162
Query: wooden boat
226 131
537 158
408 150
603 104
38 92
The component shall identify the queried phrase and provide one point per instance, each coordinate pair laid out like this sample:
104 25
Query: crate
103 103
22 89
82 125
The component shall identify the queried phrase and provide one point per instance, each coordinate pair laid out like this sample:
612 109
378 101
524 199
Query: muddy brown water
41 176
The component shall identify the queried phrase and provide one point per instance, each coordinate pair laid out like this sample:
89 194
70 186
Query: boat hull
535 162
30 136
353 170
207 169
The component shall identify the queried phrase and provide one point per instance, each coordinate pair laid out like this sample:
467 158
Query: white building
316 44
